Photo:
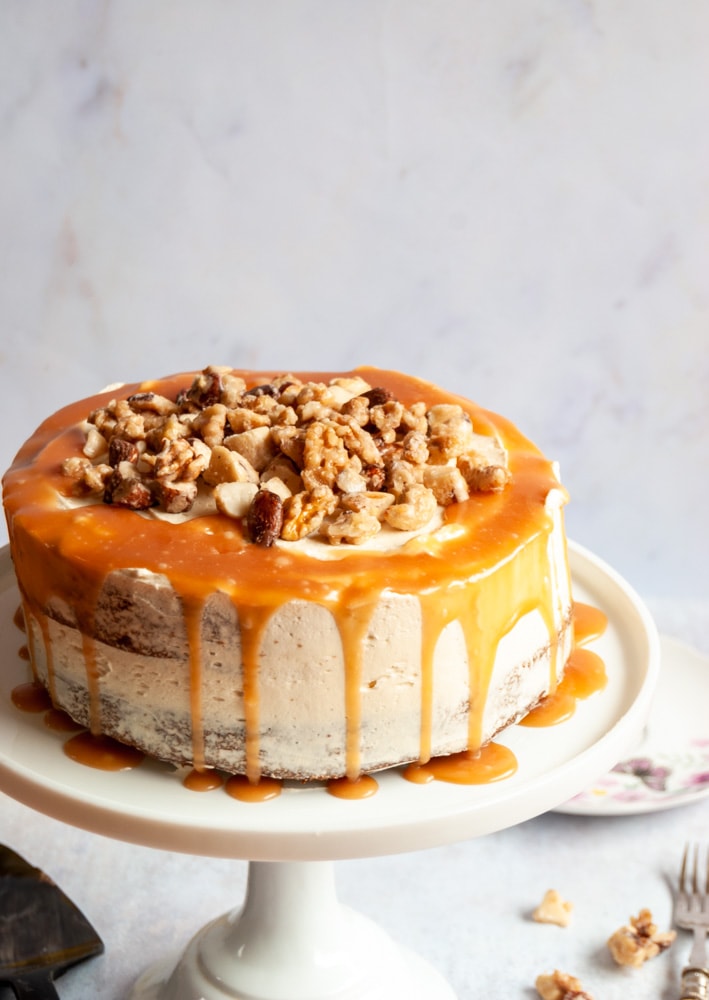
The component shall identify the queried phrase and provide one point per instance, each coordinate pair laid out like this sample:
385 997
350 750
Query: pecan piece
265 518
378 395
175 498
206 389
125 489
121 450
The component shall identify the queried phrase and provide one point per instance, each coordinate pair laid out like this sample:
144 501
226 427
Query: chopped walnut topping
560 986
636 942
417 507
553 910
288 458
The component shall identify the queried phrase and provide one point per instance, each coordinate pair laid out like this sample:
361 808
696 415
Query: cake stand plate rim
149 805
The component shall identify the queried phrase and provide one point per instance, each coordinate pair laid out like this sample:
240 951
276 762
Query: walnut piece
634 943
560 986
342 459
553 910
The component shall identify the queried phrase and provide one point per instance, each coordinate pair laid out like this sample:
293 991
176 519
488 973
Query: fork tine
683 886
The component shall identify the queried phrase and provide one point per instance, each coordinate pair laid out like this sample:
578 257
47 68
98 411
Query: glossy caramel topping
493 762
585 674
362 787
202 781
59 722
492 571
245 790
589 623
31 697
102 753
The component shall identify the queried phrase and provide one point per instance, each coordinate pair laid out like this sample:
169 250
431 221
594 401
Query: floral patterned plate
670 767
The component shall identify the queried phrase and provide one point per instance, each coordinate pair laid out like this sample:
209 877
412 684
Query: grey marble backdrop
511 199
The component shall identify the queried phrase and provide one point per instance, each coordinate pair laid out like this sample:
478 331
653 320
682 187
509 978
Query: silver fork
692 913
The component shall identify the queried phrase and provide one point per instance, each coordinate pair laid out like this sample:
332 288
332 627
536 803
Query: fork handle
695 983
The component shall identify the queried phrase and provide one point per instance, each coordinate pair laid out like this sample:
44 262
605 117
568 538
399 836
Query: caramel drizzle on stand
514 524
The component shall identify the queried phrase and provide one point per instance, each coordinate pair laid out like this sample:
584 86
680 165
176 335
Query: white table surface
508 199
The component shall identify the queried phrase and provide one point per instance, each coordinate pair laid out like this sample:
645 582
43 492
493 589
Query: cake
305 576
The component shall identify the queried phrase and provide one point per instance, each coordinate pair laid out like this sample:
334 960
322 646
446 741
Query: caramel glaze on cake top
64 552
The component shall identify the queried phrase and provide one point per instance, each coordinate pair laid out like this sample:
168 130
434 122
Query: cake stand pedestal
291 939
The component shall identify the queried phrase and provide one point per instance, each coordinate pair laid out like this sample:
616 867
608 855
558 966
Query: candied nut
482 478
233 386
560 986
206 388
553 910
636 942
131 426
210 424
324 455
450 432
401 476
173 427
184 459
304 512
484 464
378 395
385 419
282 468
414 511
95 443
372 502
234 499
264 390
374 476
415 448
358 409
265 518
256 446
152 402
414 418
175 498
359 442
120 450
446 483
352 385
291 442
352 526
124 489
87 477
277 486
241 419
227 466
350 480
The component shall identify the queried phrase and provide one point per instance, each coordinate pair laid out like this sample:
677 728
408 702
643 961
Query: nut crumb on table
560 986
636 942
553 910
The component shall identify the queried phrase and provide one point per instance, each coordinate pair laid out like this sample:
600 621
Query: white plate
670 765
150 806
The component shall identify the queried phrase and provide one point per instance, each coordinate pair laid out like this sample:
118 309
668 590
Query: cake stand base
293 940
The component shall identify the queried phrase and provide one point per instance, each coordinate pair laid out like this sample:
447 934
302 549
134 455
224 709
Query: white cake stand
291 939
